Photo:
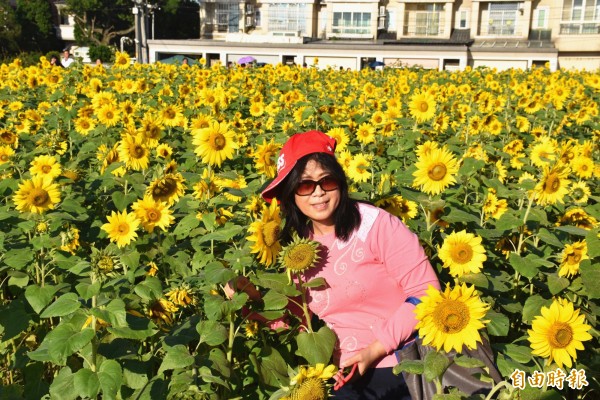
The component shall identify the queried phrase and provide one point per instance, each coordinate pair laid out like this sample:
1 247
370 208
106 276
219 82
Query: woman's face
320 205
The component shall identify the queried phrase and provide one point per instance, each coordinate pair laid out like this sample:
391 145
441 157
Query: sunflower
121 227
257 109
359 168
435 171
553 186
169 188
583 167
299 255
399 206
163 150
108 115
264 158
161 311
451 319
46 166
579 218
171 114
206 187
181 296
122 60
134 152
580 192
543 153
70 239
37 195
215 143
365 133
310 382
462 253
6 153
9 138
571 256
558 333
251 329
84 125
422 107
265 234
153 213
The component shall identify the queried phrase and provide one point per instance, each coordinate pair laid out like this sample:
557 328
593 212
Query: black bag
455 376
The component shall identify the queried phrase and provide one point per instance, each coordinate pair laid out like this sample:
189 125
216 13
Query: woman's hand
241 284
365 358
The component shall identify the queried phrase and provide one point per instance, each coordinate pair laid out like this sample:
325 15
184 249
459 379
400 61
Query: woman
373 265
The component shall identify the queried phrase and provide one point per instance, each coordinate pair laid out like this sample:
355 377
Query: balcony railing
580 28
540 34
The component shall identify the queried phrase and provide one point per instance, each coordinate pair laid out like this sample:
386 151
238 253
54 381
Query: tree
37 28
10 29
101 21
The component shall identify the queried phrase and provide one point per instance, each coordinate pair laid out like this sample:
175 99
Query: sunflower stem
304 305
231 337
497 387
439 389
522 233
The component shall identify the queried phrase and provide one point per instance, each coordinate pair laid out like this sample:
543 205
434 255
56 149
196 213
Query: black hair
346 217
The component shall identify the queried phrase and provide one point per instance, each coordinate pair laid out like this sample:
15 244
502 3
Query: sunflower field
130 204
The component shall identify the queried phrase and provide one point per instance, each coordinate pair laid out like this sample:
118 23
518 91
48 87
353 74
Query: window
580 17
351 23
463 19
287 17
228 17
428 19
502 18
63 17
540 18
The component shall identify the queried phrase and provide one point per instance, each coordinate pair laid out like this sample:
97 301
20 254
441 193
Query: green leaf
533 393
63 387
61 342
18 279
14 319
316 347
131 259
149 289
216 273
590 276
549 238
271 367
177 356
593 243
509 220
274 300
136 328
88 290
520 354
557 284
523 266
224 234
572 230
435 364
212 333
18 258
110 376
532 307
498 325
39 297
457 215
185 226
315 283
410 366
64 305
470 166
86 383
468 362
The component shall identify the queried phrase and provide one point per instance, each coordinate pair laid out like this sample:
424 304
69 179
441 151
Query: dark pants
375 384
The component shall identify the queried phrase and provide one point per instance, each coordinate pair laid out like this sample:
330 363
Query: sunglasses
308 186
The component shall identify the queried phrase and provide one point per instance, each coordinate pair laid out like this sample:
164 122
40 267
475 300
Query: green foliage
104 53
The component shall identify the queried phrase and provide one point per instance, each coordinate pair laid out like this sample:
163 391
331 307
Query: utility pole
140 12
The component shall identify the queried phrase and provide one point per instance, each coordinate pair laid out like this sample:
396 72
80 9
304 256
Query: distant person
55 62
185 61
66 61
98 61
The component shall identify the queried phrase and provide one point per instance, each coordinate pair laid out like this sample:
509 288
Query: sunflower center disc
574 258
271 233
46 169
452 316
219 142
139 152
437 172
423 106
563 335
4 158
153 215
462 253
39 197
123 229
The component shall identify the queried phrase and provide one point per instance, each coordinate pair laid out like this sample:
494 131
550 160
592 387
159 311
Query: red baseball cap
296 147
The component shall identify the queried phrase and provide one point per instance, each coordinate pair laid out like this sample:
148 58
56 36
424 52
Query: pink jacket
368 280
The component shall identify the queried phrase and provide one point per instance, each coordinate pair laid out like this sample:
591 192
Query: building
446 34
